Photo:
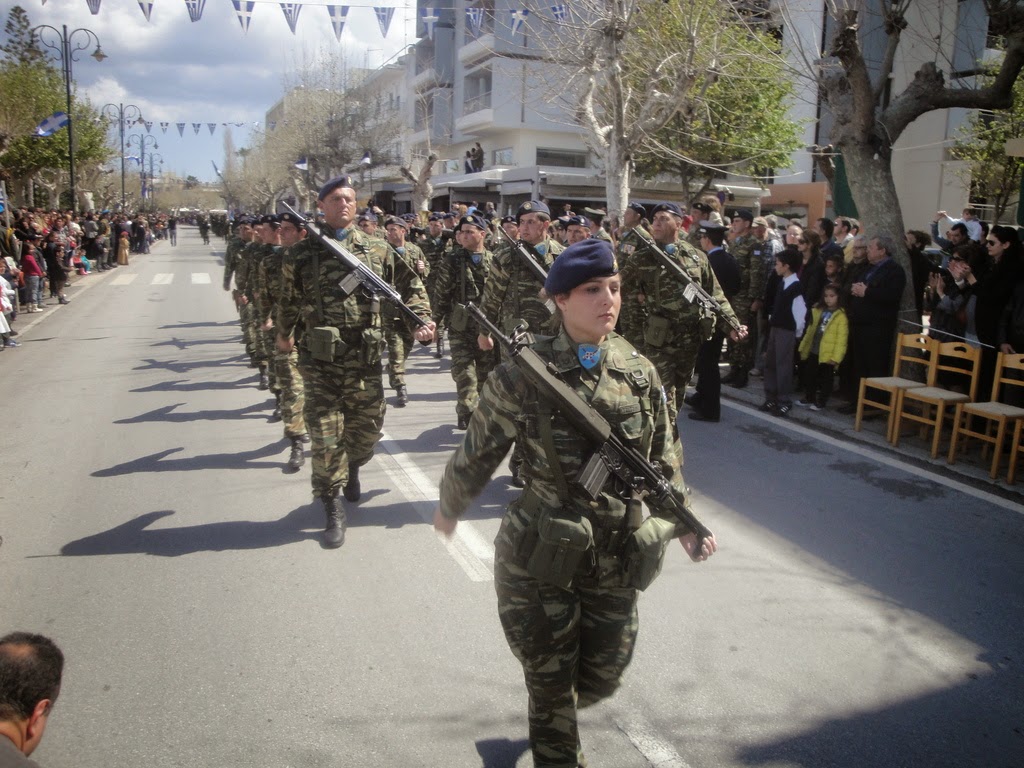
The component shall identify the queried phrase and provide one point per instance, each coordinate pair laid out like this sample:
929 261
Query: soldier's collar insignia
476 257
670 249
589 355
541 248
341 233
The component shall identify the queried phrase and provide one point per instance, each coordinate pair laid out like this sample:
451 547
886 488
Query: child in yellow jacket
823 348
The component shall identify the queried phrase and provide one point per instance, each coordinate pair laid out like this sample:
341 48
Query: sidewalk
969 468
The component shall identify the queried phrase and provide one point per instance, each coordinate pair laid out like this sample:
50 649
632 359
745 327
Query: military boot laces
334 532
352 490
297 457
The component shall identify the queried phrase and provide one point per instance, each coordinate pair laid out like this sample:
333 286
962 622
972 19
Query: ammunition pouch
707 327
656 331
324 343
562 549
459 320
373 346
644 552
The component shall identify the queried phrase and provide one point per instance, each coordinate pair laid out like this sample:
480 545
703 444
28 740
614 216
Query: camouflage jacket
434 248
268 280
409 255
648 290
512 293
245 268
460 279
309 265
746 251
629 241
624 388
232 249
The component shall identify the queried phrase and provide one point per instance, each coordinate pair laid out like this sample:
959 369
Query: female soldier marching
564 565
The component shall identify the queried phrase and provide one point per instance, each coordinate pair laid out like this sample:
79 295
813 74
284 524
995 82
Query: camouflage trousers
674 362
344 413
244 313
470 368
574 646
741 353
400 341
268 344
292 399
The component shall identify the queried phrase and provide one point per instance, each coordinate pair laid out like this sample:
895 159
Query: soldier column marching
340 347
743 246
397 332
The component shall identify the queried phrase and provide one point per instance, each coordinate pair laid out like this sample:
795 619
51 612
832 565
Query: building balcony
426 78
477 114
477 49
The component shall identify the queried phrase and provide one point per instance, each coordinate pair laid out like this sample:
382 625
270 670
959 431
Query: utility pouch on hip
373 346
564 541
645 551
707 327
656 331
459 320
324 343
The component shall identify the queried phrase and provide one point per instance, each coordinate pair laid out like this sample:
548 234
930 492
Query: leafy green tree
981 143
20 45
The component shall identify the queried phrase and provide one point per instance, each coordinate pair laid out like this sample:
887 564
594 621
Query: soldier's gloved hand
708 546
425 333
445 525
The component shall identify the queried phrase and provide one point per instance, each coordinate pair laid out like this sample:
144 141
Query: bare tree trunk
618 173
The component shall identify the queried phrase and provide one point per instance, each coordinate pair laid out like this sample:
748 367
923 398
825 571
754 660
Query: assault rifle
359 274
612 456
529 257
694 291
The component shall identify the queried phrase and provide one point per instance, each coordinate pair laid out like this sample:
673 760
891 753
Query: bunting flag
302 164
147 7
149 126
475 19
243 9
338 14
559 12
384 19
164 126
196 127
430 18
94 6
212 127
518 17
238 125
291 13
195 9
181 129
52 124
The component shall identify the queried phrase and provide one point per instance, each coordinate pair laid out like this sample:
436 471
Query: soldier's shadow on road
444 438
159 461
501 753
183 326
185 344
168 414
136 536
173 366
183 385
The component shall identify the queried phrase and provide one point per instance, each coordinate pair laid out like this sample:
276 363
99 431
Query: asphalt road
859 612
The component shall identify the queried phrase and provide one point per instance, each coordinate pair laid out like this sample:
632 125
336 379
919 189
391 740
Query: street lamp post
66 46
154 157
121 113
143 140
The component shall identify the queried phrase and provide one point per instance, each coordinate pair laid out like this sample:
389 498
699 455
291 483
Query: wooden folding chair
993 412
927 405
915 350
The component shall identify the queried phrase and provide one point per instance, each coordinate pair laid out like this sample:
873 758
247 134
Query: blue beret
269 219
577 221
745 214
578 263
670 207
290 218
509 220
396 221
637 208
533 206
410 217
333 184
367 214
472 220
436 217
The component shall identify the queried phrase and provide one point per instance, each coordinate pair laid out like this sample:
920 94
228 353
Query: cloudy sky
175 70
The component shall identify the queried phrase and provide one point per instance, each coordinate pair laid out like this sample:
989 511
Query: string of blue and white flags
339 14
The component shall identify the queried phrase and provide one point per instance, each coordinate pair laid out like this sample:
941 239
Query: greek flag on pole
384 19
291 13
430 18
518 17
147 7
367 159
243 9
475 18
195 9
302 164
52 124
338 14
559 12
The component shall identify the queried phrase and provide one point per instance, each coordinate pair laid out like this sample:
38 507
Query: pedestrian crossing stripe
124 279
164 278
200 278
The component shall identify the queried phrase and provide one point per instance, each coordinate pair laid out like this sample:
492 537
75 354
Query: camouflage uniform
232 257
460 279
746 251
245 279
574 644
265 339
345 398
512 293
651 297
285 365
397 332
629 241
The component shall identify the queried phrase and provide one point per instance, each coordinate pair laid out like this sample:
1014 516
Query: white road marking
124 279
200 278
473 553
163 278
658 752
934 475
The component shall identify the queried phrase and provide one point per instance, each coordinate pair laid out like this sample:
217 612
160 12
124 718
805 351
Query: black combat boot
463 421
440 344
352 489
297 457
334 532
275 415
264 378
402 399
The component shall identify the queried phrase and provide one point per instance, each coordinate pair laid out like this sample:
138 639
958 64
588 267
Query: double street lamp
66 45
122 113
154 157
143 140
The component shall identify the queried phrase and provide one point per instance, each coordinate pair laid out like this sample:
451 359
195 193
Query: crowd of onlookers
40 250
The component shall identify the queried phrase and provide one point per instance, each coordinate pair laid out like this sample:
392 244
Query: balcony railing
476 103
